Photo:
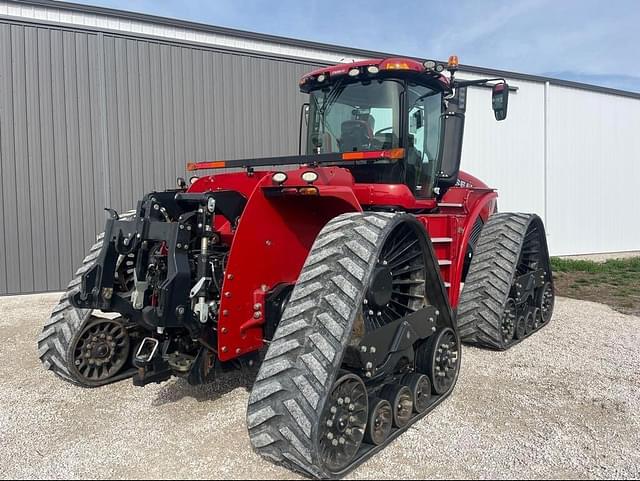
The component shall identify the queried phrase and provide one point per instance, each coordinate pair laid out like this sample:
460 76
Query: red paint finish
270 242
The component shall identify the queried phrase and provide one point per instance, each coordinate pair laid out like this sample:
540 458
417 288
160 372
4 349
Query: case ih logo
463 183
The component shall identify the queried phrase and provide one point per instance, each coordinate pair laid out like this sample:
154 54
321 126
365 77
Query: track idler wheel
343 424
442 361
100 351
546 301
380 421
401 401
420 387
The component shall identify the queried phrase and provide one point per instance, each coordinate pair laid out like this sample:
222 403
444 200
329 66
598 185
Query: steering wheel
382 130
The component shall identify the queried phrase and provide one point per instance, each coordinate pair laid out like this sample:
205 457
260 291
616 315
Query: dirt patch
614 282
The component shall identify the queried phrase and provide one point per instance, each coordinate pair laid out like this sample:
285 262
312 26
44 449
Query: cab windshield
355 117
380 115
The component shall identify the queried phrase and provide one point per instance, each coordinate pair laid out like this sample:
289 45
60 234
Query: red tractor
351 273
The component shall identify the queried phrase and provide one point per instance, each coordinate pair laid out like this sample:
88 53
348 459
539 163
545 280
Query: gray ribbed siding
90 119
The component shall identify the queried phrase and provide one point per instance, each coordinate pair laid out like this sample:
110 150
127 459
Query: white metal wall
593 176
570 155
508 155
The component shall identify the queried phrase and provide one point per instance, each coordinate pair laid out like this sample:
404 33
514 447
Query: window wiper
332 97
422 97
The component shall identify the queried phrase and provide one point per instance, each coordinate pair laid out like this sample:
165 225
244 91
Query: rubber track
306 353
65 321
490 278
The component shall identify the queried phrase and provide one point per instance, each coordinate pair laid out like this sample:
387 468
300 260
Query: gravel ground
564 404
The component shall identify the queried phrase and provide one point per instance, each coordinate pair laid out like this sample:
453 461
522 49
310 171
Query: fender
481 205
273 238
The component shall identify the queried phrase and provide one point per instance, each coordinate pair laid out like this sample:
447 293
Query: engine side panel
271 242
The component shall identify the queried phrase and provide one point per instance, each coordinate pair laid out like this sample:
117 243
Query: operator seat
355 135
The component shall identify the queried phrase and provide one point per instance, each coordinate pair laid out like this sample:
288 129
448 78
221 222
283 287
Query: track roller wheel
521 327
364 271
420 388
401 401
380 421
511 247
530 322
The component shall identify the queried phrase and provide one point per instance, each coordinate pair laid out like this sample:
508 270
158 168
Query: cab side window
425 125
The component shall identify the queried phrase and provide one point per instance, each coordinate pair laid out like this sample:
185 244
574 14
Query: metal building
99 106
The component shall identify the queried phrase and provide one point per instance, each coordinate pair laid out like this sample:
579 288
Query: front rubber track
491 276
304 358
56 342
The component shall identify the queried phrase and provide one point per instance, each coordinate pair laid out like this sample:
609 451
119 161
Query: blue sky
592 41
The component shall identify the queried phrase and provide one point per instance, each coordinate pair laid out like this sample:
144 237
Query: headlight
309 176
429 65
193 179
372 69
354 72
279 177
321 78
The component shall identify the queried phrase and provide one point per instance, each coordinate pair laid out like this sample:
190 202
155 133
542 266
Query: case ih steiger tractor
351 273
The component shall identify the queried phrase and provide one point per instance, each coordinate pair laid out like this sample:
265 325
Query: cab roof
384 66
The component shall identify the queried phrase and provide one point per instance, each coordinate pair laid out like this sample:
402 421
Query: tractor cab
406 109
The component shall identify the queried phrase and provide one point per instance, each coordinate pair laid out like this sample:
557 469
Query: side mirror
419 119
500 100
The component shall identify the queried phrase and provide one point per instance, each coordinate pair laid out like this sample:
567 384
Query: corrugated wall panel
20 131
8 265
90 119
61 216
594 172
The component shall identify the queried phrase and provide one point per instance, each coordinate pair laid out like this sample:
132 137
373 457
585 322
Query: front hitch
176 221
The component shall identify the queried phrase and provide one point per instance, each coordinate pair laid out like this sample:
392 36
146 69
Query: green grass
615 282
626 268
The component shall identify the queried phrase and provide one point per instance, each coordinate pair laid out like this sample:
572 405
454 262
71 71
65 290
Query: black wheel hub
343 423
379 294
100 350
397 285
445 361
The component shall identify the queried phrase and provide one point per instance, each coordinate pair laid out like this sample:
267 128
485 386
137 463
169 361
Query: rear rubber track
304 359
55 343
491 276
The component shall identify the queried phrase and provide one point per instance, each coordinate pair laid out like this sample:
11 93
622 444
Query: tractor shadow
176 390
